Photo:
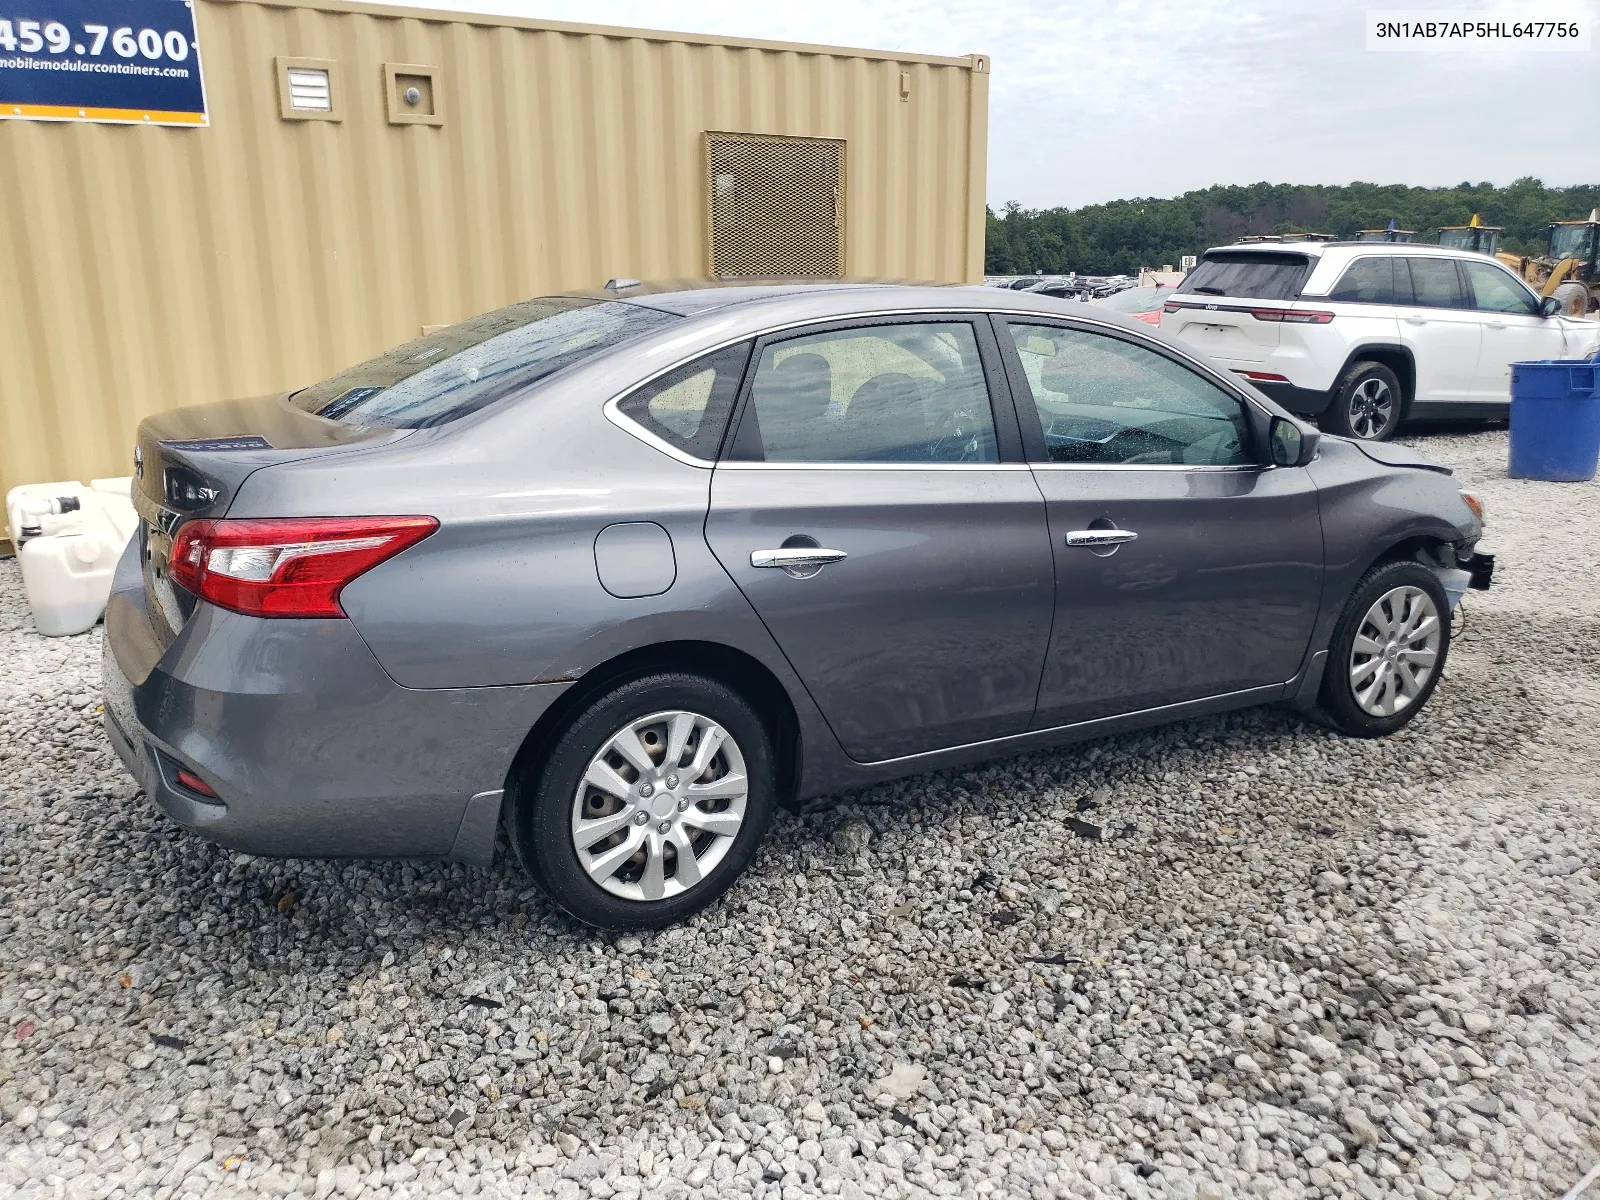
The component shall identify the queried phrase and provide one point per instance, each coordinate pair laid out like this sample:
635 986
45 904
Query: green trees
1126 234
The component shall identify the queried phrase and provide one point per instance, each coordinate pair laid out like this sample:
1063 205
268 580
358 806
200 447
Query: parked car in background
1366 335
1140 303
1060 287
621 573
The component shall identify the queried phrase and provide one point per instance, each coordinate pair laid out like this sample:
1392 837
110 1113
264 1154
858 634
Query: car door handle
796 556
1495 324
1100 537
1414 321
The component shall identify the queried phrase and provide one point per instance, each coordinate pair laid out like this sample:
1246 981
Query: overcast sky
1096 100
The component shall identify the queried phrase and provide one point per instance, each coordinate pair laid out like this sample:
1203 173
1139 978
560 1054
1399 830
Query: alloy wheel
659 805
1371 405
1395 651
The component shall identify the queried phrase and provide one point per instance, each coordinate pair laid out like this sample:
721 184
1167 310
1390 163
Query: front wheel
1388 650
651 803
1366 403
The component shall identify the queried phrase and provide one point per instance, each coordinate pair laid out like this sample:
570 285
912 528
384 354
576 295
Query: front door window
1495 290
1104 400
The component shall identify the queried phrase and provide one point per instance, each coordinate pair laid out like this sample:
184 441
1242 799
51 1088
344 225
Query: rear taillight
1292 316
1263 376
286 567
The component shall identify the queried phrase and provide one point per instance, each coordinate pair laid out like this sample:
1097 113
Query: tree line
1120 237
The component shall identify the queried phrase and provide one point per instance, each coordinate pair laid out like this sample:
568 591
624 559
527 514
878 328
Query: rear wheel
651 803
1366 403
1388 650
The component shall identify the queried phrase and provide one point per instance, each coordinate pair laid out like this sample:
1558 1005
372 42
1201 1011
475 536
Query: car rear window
1254 276
463 367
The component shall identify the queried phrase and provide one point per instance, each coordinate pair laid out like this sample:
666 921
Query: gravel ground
1294 965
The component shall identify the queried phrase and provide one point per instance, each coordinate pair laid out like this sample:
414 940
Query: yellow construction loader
1474 236
1571 270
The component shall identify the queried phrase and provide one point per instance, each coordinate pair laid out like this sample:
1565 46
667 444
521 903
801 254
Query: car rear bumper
312 750
1307 402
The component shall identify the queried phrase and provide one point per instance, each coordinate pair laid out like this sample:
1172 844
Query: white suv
1363 335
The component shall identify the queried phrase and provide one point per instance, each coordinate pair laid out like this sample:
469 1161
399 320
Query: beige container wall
143 268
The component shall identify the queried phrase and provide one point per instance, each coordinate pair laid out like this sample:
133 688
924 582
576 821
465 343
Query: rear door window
1435 283
1253 276
1370 281
890 393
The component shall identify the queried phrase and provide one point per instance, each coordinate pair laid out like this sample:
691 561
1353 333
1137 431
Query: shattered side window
466 366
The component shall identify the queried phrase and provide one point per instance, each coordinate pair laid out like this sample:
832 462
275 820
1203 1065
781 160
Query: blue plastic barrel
1555 420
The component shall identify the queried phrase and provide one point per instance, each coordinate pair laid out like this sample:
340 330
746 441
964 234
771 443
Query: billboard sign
130 61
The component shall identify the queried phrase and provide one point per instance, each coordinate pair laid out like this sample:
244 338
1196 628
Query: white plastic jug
67 576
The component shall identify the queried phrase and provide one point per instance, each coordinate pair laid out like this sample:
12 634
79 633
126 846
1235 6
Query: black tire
1338 702
542 812
1367 403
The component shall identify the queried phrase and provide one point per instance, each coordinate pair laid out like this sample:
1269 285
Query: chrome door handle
1100 537
795 556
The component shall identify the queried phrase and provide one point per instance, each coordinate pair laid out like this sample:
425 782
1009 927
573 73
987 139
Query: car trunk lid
190 462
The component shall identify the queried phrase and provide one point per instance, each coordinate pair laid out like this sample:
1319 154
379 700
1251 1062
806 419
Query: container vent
309 89
777 205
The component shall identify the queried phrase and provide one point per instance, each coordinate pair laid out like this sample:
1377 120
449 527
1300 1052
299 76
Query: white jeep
1364 335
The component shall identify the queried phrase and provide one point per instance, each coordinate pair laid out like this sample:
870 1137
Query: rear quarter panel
507 590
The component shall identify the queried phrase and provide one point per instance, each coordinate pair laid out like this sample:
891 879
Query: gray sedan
618 573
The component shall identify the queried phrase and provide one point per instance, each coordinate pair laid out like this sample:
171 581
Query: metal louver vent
777 205
310 89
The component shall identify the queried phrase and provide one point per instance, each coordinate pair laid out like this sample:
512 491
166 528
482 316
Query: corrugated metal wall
142 268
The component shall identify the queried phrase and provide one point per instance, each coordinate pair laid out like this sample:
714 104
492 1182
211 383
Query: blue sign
134 61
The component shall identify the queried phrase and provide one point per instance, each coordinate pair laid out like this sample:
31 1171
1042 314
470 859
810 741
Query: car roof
767 301
1319 249
691 297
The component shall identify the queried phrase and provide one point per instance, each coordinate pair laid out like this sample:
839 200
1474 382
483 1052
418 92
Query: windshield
465 366
1135 300
1246 273
1571 241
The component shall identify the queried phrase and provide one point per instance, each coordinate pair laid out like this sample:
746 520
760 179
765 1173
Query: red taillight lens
1291 316
1263 376
286 567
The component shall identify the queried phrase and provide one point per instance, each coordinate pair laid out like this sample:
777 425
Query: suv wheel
651 803
1366 403
1388 650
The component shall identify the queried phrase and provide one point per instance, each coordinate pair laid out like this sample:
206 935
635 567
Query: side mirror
1293 445
1549 306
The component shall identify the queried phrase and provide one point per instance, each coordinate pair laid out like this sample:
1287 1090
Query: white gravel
1298 965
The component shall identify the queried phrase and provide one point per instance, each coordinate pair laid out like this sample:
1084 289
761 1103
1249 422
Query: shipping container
363 172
